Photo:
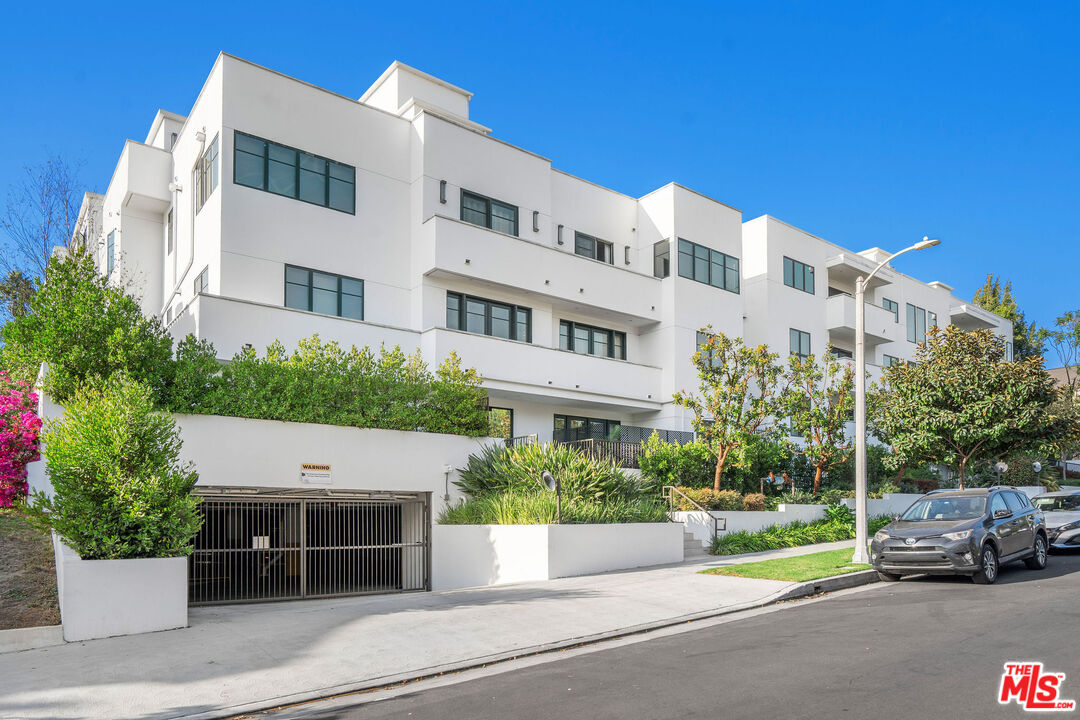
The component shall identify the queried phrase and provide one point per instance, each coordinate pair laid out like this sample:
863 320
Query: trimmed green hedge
516 508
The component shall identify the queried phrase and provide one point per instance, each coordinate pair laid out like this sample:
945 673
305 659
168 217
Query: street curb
30 638
800 590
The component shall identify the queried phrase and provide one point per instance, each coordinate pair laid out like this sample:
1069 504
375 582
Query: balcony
452 247
967 316
542 374
845 268
881 325
143 174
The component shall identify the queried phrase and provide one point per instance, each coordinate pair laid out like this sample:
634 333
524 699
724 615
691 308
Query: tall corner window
799 275
892 306
324 293
708 266
800 343
206 175
488 317
501 422
492 214
201 283
916 324
283 170
589 340
889 361
592 247
701 341
110 253
661 259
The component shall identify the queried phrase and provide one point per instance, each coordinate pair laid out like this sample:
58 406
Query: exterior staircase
692 547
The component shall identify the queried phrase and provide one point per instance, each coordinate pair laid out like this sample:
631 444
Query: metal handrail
521 440
670 491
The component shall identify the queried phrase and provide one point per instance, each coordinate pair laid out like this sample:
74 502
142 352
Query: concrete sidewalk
243 657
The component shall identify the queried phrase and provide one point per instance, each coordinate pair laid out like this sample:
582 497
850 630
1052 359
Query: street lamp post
861 553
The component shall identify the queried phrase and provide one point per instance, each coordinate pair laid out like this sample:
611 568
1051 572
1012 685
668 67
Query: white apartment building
276 209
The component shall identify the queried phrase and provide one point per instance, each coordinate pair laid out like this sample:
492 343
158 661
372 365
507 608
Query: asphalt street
921 648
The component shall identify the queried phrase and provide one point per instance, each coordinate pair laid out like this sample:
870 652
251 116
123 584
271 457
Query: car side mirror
999 514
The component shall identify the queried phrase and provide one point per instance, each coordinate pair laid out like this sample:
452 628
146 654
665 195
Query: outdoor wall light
536 221
442 191
553 485
558 237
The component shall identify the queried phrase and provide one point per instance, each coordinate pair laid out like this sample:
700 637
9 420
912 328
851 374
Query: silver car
1062 511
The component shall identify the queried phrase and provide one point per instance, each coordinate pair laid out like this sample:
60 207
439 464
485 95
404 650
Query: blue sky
865 123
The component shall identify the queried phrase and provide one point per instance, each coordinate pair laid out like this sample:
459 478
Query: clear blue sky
865 123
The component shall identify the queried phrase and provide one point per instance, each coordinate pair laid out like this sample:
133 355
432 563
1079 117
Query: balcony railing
623 454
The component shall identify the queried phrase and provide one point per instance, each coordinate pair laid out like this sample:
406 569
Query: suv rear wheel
1037 561
988 566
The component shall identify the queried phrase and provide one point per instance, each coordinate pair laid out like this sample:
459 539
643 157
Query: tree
1064 338
998 299
737 386
817 400
960 402
40 215
85 330
16 291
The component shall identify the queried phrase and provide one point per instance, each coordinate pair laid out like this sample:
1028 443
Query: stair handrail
670 491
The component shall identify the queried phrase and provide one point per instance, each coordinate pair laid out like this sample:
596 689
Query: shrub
709 499
513 507
119 490
86 330
689 465
322 383
19 426
833 496
496 469
792 535
753 501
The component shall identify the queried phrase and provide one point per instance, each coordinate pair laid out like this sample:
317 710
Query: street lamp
861 554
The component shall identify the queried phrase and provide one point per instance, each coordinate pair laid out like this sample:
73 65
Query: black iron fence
623 454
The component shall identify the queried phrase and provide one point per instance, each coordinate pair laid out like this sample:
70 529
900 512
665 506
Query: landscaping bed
839 524
795 569
27 575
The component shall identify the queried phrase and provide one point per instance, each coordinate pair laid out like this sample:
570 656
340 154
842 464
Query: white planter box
104 598
481 555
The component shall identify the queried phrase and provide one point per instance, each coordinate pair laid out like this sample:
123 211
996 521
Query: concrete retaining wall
481 555
700 524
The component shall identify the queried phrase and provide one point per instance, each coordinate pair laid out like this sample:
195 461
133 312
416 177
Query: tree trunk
719 471
817 479
963 465
900 475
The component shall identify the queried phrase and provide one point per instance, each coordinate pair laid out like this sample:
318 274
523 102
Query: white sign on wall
315 473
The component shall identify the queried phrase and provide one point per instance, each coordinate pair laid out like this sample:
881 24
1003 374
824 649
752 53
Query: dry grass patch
27 575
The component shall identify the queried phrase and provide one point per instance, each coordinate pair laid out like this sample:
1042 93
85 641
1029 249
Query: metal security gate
273 544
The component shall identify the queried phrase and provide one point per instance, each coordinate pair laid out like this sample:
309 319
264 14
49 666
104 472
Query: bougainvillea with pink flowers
19 428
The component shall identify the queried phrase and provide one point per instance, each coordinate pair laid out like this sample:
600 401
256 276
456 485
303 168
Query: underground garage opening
261 544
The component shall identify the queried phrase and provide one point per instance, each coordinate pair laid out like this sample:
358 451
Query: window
799 275
661 259
110 253
931 319
889 360
1008 351
892 306
206 175
711 267
916 324
997 503
283 170
702 341
800 342
202 282
485 212
324 293
1013 501
487 317
569 428
841 353
169 233
594 248
500 423
589 340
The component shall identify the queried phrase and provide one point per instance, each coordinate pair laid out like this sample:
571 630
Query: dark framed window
569 428
283 170
324 293
931 319
889 360
798 275
841 353
702 339
708 266
488 317
110 253
800 343
206 175
892 306
661 259
201 283
592 247
589 340
485 212
501 422
916 324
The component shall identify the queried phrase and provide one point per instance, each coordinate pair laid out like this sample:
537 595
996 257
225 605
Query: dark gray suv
962 532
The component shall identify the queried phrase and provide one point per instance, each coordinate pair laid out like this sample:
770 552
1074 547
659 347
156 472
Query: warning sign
315 473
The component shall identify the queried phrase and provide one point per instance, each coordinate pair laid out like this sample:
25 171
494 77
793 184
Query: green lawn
794 569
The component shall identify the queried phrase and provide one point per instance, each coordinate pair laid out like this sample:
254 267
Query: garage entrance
275 544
